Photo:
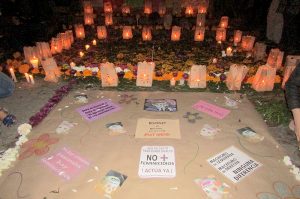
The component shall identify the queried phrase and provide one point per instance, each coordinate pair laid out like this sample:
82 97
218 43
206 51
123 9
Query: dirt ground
28 99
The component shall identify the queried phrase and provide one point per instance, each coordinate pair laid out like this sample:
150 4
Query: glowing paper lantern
201 20
101 32
176 32
145 74
107 7
65 40
247 43
264 78
290 64
259 51
199 34
275 58
162 8
109 77
146 34
44 49
70 35
148 7
235 76
224 22
31 53
56 46
237 37
127 32
125 9
52 72
108 19
197 78
88 19
79 31
220 35
87 7
189 10
202 8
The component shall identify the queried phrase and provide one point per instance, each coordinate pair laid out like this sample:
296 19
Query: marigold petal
41 151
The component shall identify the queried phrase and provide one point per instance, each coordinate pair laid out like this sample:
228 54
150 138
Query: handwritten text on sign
234 164
65 163
157 162
98 109
211 109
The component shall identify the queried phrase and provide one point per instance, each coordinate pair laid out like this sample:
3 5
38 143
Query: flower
24 129
24 68
39 146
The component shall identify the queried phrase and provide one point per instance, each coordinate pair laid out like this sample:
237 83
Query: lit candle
94 42
87 47
31 79
27 77
13 76
81 54
72 64
34 62
173 82
229 51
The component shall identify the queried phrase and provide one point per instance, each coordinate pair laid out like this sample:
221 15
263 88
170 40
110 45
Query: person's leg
296 114
7 86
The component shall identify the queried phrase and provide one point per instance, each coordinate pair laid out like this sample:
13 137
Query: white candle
27 77
34 62
87 47
173 82
72 64
31 79
81 54
13 76
94 42
229 51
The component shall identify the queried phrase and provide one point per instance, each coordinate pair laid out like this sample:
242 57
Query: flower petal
29 143
44 137
41 151
27 153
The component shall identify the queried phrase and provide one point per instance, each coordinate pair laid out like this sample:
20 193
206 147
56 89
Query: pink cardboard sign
98 109
211 109
65 163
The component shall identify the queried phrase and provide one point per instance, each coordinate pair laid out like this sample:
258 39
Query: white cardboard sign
157 162
234 164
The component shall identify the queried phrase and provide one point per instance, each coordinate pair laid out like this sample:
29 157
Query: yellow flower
277 79
35 71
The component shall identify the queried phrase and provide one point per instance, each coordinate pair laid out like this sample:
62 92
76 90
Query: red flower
39 146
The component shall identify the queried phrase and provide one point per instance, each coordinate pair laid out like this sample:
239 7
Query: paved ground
28 99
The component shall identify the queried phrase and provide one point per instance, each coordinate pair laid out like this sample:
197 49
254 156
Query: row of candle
108 8
29 77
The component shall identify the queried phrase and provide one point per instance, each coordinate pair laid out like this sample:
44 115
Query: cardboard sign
98 109
109 77
65 163
211 109
145 74
157 162
157 128
234 164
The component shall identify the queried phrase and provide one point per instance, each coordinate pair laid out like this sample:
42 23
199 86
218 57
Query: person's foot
292 125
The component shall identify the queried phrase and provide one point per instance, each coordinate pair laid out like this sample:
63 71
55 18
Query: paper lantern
79 31
148 7
34 61
224 22
199 34
44 49
56 46
220 35
107 7
146 34
168 21
108 19
247 43
125 9
88 19
70 35
275 58
290 64
145 74
65 40
202 8
101 32
52 72
31 53
197 78
201 20
176 32
237 37
162 8
259 51
109 77
87 7
127 32
189 10
235 76
264 78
